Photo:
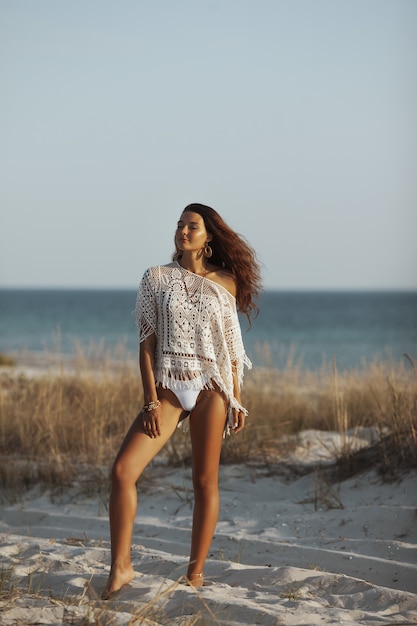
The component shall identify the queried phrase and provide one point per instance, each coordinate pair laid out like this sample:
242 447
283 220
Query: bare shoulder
223 278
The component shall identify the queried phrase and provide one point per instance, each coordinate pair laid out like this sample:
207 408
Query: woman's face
191 234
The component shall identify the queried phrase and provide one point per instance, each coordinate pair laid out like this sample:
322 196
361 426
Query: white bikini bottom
186 397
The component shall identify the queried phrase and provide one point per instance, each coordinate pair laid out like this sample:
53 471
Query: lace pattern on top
197 328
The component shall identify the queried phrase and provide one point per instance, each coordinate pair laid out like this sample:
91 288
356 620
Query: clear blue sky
295 119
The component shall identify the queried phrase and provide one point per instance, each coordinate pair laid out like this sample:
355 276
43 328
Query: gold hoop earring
208 252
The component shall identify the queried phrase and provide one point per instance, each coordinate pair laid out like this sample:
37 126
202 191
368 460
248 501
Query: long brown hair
232 252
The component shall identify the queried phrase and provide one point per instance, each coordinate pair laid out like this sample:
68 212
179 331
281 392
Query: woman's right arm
146 364
151 420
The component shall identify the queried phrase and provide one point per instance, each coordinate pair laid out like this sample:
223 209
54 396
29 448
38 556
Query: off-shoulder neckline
176 264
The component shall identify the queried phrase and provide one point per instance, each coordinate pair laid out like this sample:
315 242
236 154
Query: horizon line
266 289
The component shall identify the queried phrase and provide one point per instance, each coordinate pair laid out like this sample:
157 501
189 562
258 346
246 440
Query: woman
191 360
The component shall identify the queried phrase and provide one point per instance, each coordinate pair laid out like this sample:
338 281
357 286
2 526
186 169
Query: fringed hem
200 381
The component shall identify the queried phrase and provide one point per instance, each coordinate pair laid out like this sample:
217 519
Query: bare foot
195 580
118 578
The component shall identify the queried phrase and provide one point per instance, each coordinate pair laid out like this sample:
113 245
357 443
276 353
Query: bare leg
206 428
135 454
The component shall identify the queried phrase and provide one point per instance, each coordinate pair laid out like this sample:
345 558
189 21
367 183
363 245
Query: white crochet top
197 329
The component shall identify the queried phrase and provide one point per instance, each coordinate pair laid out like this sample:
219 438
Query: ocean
310 329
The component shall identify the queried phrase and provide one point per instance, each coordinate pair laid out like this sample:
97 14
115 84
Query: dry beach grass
61 424
70 416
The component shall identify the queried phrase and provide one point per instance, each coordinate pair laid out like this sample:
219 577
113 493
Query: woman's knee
205 484
122 473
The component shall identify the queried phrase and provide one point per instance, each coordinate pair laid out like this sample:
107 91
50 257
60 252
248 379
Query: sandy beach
290 548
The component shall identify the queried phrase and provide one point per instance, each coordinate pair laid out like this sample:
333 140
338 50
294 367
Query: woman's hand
238 420
151 422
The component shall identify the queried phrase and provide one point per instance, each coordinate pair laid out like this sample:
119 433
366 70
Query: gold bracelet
151 406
